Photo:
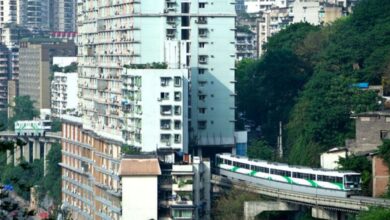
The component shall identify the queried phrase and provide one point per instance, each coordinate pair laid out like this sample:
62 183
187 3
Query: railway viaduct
322 207
35 147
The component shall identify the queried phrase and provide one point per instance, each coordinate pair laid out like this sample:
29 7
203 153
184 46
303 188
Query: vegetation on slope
306 80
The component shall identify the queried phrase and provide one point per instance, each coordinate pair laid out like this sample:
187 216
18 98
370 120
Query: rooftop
139 167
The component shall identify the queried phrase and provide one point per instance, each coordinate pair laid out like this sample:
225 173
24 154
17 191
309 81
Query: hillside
305 78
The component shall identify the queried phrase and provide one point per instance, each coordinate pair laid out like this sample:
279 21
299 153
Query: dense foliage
260 149
374 214
306 80
362 165
52 180
356 50
231 204
22 110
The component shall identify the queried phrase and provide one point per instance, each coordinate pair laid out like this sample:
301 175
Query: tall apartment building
9 11
195 36
63 15
34 14
35 60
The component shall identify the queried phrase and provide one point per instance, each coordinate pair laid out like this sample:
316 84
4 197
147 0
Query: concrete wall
139 197
368 131
329 159
380 174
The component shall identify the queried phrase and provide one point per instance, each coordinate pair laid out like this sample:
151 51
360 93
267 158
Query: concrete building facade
35 60
181 34
63 15
64 93
371 129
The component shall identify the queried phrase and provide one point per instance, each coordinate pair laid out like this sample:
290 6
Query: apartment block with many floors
184 35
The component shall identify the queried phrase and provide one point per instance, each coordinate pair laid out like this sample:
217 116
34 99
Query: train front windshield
352 181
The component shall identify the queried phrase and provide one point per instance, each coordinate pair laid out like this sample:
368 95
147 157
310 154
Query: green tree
22 110
267 90
56 125
260 149
52 180
231 204
384 151
361 165
374 213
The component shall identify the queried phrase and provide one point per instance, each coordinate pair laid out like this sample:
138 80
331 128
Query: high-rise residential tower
196 36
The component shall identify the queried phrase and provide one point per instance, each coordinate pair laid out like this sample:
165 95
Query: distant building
245 44
307 11
35 61
371 129
330 158
64 93
255 6
63 15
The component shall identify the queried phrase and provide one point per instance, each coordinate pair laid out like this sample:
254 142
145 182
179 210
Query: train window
339 179
228 162
280 172
247 166
304 176
261 169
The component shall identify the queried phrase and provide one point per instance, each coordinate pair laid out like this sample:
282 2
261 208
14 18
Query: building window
202 44
201 71
177 96
202 5
164 95
364 118
177 139
177 110
165 81
384 134
202 97
177 81
202 110
202 32
165 138
177 125
166 110
202 125
165 124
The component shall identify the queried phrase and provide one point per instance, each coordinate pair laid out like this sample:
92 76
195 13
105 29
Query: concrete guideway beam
254 208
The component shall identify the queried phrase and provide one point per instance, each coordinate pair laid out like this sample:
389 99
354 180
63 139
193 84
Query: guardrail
353 204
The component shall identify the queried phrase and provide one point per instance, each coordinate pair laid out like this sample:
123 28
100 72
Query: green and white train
32 128
295 178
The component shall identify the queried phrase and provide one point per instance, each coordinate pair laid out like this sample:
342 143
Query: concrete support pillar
321 213
252 209
36 149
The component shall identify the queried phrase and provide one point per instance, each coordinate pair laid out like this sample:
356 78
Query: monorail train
295 178
32 128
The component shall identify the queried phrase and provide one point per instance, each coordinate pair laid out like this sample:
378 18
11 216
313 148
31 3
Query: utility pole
280 141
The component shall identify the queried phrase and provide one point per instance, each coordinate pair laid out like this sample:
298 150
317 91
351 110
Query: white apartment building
307 11
272 22
64 97
9 11
191 35
255 6
155 108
